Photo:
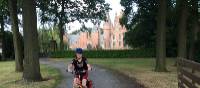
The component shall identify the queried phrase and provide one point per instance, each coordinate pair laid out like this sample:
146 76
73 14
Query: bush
140 53
9 48
0 57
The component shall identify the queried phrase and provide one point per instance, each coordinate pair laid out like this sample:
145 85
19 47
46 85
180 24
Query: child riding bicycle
80 67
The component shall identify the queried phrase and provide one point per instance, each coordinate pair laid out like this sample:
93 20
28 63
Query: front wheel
89 84
78 86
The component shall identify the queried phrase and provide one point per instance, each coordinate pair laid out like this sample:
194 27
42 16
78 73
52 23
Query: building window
119 43
113 37
113 44
101 32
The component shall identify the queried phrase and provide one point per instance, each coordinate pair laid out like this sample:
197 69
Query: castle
111 36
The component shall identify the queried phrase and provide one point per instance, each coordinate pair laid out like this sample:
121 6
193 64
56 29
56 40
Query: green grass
142 69
11 79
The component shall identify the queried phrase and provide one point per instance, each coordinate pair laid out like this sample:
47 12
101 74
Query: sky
116 8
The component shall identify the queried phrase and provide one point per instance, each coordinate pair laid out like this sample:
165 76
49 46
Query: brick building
111 36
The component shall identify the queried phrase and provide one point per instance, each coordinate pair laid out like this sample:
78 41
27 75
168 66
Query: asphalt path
101 77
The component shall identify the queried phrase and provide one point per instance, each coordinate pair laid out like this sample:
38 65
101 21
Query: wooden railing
188 74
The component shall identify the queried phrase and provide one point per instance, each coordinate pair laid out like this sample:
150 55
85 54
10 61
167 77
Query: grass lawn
143 70
11 79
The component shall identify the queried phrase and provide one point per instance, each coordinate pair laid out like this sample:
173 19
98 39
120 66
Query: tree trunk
99 35
16 36
3 38
161 38
182 32
31 48
193 43
60 26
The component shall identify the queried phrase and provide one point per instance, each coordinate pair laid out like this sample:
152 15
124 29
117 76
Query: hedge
139 53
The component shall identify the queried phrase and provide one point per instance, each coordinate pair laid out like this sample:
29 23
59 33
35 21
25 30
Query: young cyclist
80 67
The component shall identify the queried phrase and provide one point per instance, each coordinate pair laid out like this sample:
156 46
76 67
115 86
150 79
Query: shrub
138 53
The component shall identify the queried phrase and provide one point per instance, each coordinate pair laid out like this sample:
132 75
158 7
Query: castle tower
107 32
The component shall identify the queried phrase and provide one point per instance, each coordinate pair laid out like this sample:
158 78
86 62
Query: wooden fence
188 74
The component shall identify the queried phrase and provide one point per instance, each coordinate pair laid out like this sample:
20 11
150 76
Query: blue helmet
79 50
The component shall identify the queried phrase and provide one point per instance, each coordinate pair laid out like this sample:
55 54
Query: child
79 64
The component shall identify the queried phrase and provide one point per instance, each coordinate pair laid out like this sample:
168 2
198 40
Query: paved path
101 78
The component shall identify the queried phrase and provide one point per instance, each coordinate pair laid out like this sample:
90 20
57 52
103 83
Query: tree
141 25
9 48
161 37
31 48
2 38
194 30
45 36
62 12
18 48
3 20
182 25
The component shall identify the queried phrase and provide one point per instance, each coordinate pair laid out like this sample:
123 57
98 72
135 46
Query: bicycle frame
79 83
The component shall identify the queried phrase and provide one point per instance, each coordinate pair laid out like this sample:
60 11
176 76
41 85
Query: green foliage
4 13
83 29
66 11
107 53
9 48
142 24
62 12
45 35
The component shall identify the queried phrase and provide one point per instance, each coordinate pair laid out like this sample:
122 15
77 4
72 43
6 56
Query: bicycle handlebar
76 72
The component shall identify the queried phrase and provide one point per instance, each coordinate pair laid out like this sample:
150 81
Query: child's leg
84 83
84 80
76 82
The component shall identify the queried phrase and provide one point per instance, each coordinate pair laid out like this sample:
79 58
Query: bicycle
79 81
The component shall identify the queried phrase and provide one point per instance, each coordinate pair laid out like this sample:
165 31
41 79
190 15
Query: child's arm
70 67
89 67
